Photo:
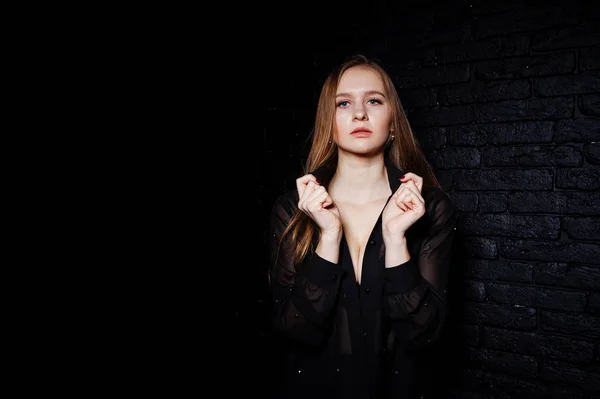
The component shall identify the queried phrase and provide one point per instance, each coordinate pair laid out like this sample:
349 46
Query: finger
409 193
411 199
301 183
316 194
418 183
410 185
403 201
311 186
397 198
405 186
409 176
401 204
413 187
398 191
304 182
317 199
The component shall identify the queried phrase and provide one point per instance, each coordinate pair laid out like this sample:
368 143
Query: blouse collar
325 172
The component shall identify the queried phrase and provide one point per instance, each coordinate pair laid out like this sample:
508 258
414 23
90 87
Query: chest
358 222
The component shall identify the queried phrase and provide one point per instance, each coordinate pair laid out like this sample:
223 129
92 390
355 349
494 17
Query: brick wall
505 100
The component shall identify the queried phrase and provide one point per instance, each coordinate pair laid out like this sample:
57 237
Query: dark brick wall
505 100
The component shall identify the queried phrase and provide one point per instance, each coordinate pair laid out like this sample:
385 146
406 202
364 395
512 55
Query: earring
392 136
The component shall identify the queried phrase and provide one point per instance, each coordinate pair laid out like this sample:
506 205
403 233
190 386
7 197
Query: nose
360 114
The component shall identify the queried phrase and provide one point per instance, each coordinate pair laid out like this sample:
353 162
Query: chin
363 150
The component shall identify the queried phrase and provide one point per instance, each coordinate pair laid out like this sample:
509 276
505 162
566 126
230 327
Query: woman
361 248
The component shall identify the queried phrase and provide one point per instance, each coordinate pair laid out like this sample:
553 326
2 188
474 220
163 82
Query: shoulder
438 204
288 198
286 203
437 197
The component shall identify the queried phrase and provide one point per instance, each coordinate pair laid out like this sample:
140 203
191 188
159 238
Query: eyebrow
368 93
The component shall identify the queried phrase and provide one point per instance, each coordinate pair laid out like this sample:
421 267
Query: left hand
404 208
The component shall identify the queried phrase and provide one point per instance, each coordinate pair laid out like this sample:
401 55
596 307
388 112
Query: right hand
314 200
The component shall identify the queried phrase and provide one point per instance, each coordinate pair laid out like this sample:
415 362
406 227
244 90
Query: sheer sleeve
303 299
415 291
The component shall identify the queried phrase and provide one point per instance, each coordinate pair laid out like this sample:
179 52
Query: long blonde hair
404 151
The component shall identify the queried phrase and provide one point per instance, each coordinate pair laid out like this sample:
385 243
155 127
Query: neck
359 180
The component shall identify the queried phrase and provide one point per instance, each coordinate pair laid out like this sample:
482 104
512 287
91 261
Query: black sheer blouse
349 340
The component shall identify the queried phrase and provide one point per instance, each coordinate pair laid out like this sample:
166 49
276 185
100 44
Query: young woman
361 248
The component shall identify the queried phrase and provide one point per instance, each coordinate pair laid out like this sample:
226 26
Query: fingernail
402 178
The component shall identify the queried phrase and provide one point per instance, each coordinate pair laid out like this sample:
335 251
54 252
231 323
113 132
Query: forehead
358 79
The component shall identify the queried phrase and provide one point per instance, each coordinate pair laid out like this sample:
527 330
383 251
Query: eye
342 103
374 101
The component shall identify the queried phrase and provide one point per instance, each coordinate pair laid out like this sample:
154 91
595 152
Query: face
363 113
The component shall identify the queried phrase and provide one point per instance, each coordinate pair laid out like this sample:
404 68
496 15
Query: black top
349 340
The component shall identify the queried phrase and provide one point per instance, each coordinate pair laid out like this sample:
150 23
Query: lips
361 131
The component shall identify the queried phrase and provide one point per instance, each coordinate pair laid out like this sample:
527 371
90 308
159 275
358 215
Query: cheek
341 117
384 119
